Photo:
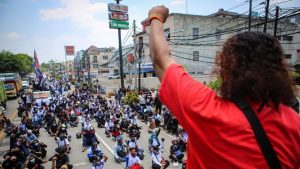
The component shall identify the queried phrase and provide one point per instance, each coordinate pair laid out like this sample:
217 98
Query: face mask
18 143
32 161
36 144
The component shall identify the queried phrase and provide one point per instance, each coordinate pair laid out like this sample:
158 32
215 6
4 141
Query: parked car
114 76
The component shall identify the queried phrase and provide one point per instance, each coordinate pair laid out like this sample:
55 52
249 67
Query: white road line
106 145
82 163
166 134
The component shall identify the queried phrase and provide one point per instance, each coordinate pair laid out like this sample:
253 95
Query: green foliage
215 85
17 63
131 98
295 76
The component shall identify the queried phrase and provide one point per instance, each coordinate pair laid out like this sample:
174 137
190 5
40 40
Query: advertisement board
121 16
117 7
70 50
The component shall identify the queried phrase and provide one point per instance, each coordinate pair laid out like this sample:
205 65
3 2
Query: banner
69 50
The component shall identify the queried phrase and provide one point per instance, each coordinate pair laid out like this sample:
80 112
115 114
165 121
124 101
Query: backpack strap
260 135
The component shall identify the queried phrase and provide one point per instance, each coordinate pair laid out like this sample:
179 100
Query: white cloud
12 35
81 12
178 2
84 15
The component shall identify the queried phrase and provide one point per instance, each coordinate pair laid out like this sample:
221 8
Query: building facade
92 63
195 40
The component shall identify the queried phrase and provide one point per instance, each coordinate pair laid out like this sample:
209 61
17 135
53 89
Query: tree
16 63
215 85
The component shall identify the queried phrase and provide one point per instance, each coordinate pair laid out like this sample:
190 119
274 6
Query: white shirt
100 165
61 143
156 158
133 160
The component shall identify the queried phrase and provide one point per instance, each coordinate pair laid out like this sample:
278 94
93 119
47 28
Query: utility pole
140 59
134 44
88 66
120 55
276 20
250 15
266 15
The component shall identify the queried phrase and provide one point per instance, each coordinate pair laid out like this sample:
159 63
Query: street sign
121 16
117 7
114 24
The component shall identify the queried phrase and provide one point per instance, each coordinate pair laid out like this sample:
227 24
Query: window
167 34
288 56
192 73
195 33
105 57
278 37
195 55
95 59
287 38
218 34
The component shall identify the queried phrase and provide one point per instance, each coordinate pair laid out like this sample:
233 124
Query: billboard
130 58
118 16
69 50
117 7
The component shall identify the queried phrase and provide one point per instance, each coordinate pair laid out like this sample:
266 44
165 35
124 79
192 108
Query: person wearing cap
94 152
255 86
120 151
63 142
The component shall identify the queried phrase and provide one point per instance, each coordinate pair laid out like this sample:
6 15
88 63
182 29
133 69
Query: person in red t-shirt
251 65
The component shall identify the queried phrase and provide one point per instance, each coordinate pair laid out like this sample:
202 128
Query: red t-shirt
219 133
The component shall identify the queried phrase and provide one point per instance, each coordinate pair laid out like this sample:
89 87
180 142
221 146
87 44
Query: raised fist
159 11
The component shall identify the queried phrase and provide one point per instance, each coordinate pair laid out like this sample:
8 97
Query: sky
48 25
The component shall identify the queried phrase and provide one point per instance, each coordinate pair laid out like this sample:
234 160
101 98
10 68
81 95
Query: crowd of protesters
78 108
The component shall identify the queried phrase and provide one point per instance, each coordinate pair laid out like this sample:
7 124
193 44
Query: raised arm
159 48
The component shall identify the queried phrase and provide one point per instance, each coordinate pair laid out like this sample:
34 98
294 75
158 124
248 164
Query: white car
114 76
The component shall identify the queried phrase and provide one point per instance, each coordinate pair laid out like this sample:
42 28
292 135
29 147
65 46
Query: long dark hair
252 66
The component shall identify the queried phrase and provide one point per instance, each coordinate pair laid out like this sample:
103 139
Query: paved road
79 159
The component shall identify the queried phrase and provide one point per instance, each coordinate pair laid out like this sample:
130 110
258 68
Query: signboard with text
118 16
117 7
114 24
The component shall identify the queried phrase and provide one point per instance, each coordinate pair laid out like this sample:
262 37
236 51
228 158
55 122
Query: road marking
166 134
78 164
108 148
105 144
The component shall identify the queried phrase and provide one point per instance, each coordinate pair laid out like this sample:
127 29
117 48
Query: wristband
155 17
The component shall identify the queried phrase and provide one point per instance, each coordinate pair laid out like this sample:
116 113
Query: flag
37 70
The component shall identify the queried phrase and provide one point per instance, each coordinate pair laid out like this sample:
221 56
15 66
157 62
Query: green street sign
114 24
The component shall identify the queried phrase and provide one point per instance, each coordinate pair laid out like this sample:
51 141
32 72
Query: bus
12 83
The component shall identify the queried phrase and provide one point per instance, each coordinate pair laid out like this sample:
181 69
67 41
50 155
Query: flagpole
66 70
